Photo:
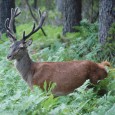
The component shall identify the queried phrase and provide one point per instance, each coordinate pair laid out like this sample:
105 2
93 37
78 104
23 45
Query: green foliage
109 46
17 99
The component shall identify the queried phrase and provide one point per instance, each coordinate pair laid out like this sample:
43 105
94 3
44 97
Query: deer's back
67 75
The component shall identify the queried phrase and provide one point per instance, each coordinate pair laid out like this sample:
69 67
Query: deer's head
19 47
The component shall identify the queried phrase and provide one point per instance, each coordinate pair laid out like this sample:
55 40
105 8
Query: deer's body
67 75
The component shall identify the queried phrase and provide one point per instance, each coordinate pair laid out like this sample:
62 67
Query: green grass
15 95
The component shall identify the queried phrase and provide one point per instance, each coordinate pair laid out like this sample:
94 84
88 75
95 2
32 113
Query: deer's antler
34 29
9 23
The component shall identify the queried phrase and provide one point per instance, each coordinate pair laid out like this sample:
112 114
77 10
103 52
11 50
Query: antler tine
34 26
23 36
11 35
9 23
39 12
33 29
42 18
14 13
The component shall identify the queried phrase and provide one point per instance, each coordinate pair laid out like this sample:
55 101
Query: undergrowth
17 99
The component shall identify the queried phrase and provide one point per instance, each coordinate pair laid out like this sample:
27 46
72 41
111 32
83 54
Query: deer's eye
21 48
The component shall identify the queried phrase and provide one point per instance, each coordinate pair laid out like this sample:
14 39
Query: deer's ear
21 45
28 43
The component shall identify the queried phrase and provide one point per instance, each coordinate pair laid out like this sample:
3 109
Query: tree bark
72 15
90 10
35 4
5 12
59 5
106 19
59 8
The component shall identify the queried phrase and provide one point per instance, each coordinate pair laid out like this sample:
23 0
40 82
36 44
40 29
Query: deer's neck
24 66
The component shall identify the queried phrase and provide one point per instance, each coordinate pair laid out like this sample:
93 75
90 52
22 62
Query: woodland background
76 30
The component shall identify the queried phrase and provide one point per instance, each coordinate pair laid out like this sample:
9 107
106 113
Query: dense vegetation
17 99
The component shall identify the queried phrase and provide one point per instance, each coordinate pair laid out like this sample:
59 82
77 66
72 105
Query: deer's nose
9 56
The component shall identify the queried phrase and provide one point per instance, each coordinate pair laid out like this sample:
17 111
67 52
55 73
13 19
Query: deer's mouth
9 57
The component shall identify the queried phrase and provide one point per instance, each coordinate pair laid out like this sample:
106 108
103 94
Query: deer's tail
105 63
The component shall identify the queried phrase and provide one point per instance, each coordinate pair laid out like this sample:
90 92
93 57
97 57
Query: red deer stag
67 75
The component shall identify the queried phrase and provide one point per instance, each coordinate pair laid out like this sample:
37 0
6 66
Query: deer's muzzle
10 57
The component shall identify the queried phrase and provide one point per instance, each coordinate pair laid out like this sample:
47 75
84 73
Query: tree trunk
59 5
35 4
5 12
106 18
59 8
90 10
72 15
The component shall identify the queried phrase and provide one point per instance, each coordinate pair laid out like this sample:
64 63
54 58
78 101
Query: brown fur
105 63
67 75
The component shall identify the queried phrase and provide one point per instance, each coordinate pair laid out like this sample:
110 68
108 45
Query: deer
68 75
